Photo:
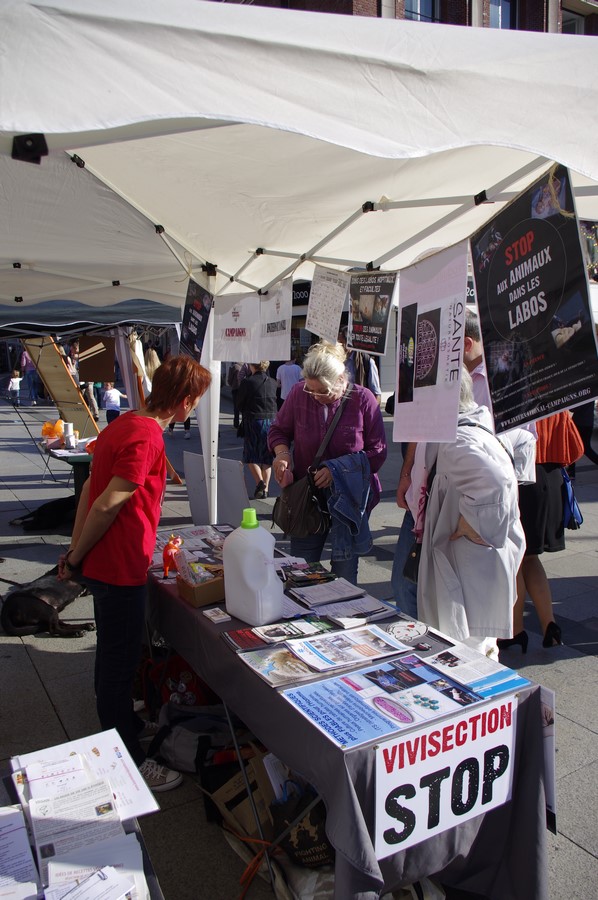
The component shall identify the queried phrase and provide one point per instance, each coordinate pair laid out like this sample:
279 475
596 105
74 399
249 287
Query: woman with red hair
113 542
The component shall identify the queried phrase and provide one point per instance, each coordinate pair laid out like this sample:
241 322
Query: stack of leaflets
303 659
202 544
75 798
302 574
316 595
242 639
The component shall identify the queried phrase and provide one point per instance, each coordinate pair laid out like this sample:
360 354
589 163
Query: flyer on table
535 313
371 703
430 347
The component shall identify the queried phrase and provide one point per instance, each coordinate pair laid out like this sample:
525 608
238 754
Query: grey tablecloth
500 855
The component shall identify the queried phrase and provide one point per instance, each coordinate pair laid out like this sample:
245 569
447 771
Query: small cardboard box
233 803
201 594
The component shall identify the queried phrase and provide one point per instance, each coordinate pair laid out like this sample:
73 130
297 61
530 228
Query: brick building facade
572 16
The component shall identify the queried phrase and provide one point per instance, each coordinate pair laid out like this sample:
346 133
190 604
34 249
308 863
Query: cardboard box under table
204 594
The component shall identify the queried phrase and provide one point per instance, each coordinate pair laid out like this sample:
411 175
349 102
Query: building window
503 14
422 10
572 23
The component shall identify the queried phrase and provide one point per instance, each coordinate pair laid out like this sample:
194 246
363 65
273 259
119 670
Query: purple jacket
300 422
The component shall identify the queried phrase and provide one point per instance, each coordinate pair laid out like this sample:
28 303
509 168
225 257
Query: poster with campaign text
237 328
371 299
327 297
535 313
430 347
198 305
434 778
276 310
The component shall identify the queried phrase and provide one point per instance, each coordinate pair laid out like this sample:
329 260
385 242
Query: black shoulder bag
302 509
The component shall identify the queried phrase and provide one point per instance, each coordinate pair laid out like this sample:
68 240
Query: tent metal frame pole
464 208
322 243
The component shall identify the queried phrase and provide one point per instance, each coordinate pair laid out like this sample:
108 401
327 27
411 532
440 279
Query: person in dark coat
257 404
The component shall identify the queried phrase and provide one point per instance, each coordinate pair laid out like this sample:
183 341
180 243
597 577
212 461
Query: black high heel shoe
552 635
521 638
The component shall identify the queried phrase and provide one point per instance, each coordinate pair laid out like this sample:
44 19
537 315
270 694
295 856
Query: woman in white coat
473 541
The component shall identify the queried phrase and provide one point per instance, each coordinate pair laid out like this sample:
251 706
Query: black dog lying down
34 607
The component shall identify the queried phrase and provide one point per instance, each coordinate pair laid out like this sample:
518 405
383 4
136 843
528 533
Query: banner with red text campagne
533 298
434 778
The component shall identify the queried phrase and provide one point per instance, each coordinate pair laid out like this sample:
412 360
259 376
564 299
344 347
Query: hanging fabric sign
276 310
237 328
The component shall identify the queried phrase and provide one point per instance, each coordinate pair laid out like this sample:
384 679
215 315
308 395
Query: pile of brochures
72 834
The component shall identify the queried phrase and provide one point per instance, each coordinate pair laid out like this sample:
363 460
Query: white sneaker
159 778
187 435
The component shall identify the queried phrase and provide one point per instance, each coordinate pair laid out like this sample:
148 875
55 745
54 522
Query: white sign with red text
435 778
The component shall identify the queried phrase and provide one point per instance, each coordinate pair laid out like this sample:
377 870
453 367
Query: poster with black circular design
535 315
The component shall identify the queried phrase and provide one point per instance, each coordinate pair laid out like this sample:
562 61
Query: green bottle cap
249 519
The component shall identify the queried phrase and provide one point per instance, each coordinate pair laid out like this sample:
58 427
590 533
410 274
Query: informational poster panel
198 305
237 328
535 313
371 296
327 297
435 778
430 347
276 312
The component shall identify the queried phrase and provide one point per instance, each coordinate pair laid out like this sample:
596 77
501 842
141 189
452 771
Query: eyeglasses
316 393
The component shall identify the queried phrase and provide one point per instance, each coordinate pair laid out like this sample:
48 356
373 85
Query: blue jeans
120 619
310 548
404 592
31 381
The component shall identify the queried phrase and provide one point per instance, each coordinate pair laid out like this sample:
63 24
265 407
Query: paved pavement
46 694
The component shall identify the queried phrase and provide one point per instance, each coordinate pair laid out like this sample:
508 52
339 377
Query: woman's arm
90 527
374 436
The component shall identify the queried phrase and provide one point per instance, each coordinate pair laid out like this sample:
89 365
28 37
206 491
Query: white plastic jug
253 590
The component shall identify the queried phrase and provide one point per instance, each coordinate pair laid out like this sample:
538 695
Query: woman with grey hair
473 542
358 440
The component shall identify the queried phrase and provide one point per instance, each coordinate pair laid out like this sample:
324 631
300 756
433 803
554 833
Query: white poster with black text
435 778
430 347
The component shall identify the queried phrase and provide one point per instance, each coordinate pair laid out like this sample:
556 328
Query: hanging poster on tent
430 347
237 328
198 305
371 295
535 313
276 312
329 289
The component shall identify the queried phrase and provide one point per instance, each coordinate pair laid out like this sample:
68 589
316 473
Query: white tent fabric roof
237 128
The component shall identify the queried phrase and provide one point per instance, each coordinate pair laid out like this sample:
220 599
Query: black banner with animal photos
198 304
535 315
370 298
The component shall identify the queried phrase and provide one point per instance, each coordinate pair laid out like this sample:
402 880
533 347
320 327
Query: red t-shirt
131 447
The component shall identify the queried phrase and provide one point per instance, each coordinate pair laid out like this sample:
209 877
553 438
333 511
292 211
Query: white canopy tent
261 141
